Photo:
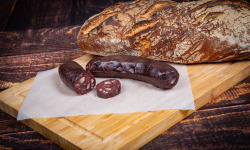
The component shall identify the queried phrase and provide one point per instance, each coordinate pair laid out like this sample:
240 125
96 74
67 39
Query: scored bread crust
187 32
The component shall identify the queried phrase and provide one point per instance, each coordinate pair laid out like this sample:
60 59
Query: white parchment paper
50 97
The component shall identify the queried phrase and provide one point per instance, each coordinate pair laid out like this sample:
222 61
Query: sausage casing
74 76
159 74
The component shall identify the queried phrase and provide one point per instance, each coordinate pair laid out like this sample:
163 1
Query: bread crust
187 32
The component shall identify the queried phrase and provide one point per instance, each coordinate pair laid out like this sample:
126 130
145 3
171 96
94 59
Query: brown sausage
108 88
159 74
75 77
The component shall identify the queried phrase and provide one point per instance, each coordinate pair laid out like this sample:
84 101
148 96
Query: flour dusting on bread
187 32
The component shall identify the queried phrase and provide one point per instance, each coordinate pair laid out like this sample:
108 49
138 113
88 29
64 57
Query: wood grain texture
15 69
15 135
223 128
6 8
38 40
40 14
84 9
25 53
218 128
44 14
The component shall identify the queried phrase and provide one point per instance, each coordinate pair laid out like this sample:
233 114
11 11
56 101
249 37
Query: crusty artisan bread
187 32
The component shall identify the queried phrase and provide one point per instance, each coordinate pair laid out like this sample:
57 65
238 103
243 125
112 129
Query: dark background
37 35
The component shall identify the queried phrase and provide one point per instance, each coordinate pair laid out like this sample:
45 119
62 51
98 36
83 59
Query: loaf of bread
186 32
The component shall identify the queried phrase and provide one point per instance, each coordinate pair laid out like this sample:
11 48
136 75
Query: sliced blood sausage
157 73
108 88
75 77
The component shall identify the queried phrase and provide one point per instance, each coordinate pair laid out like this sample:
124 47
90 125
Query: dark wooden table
40 35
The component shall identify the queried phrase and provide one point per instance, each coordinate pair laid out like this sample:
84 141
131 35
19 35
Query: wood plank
25 53
9 125
16 135
218 128
40 14
84 9
6 9
16 69
219 77
38 40
26 140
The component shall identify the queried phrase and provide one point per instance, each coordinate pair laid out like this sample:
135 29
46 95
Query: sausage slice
108 88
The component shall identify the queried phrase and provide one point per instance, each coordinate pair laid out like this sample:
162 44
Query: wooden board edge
8 109
53 136
156 130
234 79
4 95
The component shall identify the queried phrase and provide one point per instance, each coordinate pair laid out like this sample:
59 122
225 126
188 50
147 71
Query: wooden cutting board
130 130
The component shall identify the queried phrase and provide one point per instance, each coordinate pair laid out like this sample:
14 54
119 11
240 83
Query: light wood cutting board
130 130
